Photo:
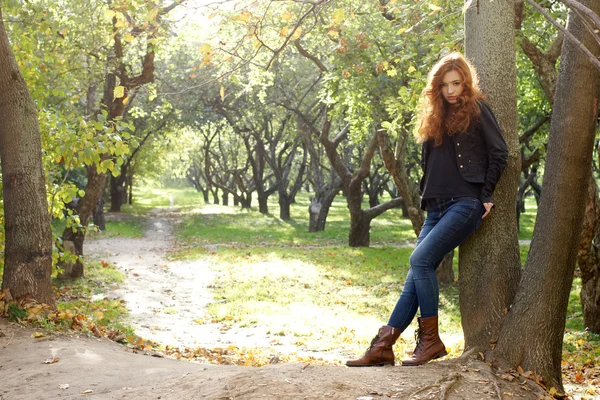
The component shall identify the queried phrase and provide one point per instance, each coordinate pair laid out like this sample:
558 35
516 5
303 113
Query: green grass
76 296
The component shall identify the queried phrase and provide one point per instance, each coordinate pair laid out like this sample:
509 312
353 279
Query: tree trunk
118 192
359 223
489 263
445 272
28 245
98 214
395 163
284 207
588 259
320 205
532 333
87 204
263 206
225 198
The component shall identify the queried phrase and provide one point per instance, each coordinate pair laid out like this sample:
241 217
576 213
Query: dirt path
164 298
101 369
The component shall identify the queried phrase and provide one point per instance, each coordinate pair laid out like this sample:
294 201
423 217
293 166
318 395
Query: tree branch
568 34
306 54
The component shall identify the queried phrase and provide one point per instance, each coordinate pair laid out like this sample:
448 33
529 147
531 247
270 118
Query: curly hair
437 117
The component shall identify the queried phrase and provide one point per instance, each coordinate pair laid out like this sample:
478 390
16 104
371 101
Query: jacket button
460 155
461 166
458 144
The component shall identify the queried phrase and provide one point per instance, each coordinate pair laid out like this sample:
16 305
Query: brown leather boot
429 345
380 351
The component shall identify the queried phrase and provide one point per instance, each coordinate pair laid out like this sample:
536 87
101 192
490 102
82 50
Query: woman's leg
407 304
458 221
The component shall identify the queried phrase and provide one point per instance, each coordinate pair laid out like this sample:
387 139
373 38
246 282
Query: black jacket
481 152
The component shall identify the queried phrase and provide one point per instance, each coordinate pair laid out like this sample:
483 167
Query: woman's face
452 86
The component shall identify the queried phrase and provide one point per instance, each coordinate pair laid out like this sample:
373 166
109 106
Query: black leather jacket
481 153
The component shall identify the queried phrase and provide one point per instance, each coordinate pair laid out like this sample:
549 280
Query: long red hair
437 117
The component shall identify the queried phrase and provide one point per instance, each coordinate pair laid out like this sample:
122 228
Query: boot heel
441 354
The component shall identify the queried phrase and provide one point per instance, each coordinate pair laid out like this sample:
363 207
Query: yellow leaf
242 17
435 8
286 16
119 92
126 100
128 37
338 16
37 335
284 31
222 93
153 14
520 369
205 48
121 24
297 33
401 31
109 13
552 391
411 69
211 16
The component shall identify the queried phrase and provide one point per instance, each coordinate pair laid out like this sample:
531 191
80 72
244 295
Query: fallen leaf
37 335
51 360
63 386
87 391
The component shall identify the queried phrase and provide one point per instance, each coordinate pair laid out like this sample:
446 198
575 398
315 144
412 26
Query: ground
68 366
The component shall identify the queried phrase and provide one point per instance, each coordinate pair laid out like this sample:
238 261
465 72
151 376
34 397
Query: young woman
463 156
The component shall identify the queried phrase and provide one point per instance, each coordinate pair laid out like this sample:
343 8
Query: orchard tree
28 248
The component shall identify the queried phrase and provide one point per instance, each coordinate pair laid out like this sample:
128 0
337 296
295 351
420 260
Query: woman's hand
488 207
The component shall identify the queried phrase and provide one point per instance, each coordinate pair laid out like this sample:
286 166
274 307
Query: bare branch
580 7
342 135
306 54
568 34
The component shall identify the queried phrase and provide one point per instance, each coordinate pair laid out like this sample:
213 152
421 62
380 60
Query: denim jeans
449 223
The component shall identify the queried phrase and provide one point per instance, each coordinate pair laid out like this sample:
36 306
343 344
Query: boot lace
417 339
375 339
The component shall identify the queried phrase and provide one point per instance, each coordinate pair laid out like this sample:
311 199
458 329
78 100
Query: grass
275 274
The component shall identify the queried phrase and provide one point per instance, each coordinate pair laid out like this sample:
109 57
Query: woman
463 156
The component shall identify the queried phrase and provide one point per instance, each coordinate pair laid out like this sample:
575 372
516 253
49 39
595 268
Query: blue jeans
448 224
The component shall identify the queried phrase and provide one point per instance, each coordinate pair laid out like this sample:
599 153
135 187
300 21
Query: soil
164 298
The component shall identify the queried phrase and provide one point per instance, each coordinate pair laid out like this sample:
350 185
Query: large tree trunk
588 259
532 333
86 207
28 245
489 263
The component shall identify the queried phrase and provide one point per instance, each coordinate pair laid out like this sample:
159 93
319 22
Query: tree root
445 383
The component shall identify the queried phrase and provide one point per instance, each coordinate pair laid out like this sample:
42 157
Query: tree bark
588 259
489 263
445 272
532 333
410 192
28 243
98 214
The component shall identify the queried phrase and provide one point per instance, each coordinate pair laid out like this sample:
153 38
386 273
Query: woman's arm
497 152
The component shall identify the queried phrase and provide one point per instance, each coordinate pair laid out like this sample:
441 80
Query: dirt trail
164 298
